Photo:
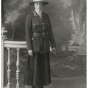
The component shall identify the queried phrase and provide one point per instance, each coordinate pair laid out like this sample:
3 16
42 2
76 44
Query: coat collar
35 13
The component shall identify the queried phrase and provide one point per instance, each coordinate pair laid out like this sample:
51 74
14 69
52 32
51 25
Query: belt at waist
40 34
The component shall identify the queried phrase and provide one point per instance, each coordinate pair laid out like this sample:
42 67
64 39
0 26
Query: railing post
3 37
8 71
5 66
18 70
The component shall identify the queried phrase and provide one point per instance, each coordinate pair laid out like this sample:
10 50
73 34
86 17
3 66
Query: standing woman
38 36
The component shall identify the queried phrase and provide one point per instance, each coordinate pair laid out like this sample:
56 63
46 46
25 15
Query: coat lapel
35 20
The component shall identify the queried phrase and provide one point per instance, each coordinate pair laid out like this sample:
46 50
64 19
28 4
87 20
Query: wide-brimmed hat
34 1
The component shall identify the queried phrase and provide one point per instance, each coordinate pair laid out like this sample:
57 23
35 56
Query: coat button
43 23
43 27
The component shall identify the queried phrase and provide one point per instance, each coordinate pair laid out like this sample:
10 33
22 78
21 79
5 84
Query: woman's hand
30 52
53 50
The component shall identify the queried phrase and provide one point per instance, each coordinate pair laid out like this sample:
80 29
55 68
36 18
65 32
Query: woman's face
38 5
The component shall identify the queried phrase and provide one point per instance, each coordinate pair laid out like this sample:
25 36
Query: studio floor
61 82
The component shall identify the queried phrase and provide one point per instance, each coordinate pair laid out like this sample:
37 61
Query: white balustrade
17 45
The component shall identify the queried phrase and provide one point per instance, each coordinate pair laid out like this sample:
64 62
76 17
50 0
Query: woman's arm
28 30
51 37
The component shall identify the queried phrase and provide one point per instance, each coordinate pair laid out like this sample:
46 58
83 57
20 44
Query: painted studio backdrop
68 19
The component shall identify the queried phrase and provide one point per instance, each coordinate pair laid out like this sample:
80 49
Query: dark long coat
38 36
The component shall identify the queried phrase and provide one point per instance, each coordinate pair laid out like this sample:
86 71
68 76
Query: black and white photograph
43 44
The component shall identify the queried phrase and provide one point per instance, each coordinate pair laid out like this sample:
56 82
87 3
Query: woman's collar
36 14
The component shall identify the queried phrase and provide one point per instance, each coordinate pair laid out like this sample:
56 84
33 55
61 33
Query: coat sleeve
28 31
51 37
